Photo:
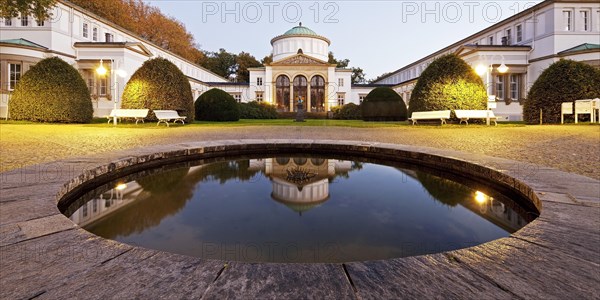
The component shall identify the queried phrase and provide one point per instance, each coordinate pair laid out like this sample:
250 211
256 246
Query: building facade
527 43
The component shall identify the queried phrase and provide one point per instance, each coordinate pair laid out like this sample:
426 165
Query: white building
527 43
83 40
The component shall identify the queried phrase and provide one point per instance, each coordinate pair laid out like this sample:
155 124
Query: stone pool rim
553 192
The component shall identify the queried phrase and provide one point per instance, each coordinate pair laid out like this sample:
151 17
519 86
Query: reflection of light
121 186
480 197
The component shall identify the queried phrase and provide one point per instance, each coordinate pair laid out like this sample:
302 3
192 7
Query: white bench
465 115
441 115
137 114
164 116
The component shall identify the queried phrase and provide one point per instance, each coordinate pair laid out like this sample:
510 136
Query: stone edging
44 254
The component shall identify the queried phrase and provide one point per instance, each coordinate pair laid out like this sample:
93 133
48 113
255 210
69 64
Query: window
84 210
491 40
237 97
95 34
361 98
7 22
85 30
508 36
340 81
568 20
24 21
102 88
500 87
585 19
519 33
514 86
340 99
14 75
259 96
40 23
259 81
109 38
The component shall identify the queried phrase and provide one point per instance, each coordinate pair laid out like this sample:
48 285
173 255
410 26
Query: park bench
465 115
442 115
137 114
164 116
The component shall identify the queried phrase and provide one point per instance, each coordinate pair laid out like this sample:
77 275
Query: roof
300 31
582 47
368 85
22 42
228 83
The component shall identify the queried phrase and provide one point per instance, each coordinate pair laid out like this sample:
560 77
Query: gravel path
570 148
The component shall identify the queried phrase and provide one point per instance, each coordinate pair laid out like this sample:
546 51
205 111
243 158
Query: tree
244 61
267 59
448 83
39 9
379 77
343 63
221 63
52 91
358 75
563 81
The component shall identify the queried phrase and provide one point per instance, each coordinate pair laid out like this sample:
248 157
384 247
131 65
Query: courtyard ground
571 148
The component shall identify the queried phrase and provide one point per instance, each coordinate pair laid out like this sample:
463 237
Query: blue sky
378 36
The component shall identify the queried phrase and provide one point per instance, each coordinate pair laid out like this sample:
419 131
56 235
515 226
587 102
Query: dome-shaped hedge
448 83
158 84
216 105
563 81
383 104
51 91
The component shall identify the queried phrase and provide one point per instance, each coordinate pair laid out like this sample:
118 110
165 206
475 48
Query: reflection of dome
300 37
295 197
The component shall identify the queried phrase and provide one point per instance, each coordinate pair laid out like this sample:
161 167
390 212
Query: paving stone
26 230
27 209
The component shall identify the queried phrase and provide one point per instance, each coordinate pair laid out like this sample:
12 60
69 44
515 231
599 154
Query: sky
377 36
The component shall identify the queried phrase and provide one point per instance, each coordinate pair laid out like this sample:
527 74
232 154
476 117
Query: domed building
300 71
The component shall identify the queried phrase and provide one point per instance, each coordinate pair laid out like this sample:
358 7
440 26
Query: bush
383 104
349 111
216 105
256 110
158 84
563 81
448 83
51 91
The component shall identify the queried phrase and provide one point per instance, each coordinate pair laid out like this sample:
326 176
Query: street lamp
481 69
114 72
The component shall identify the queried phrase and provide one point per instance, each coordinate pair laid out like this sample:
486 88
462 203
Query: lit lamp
481 69
101 70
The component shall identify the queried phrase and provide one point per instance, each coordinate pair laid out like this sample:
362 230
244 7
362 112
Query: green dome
300 30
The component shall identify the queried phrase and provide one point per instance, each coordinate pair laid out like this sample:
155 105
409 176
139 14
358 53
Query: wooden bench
137 114
441 115
465 115
164 116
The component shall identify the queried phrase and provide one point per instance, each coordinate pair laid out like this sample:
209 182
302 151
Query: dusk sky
378 36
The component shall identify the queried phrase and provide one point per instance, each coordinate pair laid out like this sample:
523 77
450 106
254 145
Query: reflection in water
344 211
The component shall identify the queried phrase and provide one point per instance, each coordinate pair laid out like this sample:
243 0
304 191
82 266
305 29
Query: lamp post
114 72
483 69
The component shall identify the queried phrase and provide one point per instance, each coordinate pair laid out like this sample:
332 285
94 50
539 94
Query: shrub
383 104
216 105
349 111
158 84
256 110
563 81
448 83
51 91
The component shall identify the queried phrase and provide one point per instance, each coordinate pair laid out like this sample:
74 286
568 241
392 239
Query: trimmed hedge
256 110
51 91
448 83
348 111
383 104
159 84
563 81
217 105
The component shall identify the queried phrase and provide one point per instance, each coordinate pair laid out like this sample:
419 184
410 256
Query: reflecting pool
298 209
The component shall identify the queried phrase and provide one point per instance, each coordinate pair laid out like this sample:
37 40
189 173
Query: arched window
317 93
282 85
300 89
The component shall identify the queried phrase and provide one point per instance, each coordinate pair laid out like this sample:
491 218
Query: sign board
566 108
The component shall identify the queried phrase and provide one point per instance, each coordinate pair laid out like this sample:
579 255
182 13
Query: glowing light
480 197
101 70
122 73
121 186
480 69
502 68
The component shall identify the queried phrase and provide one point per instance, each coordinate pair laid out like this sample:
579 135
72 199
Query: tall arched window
282 85
317 93
300 89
